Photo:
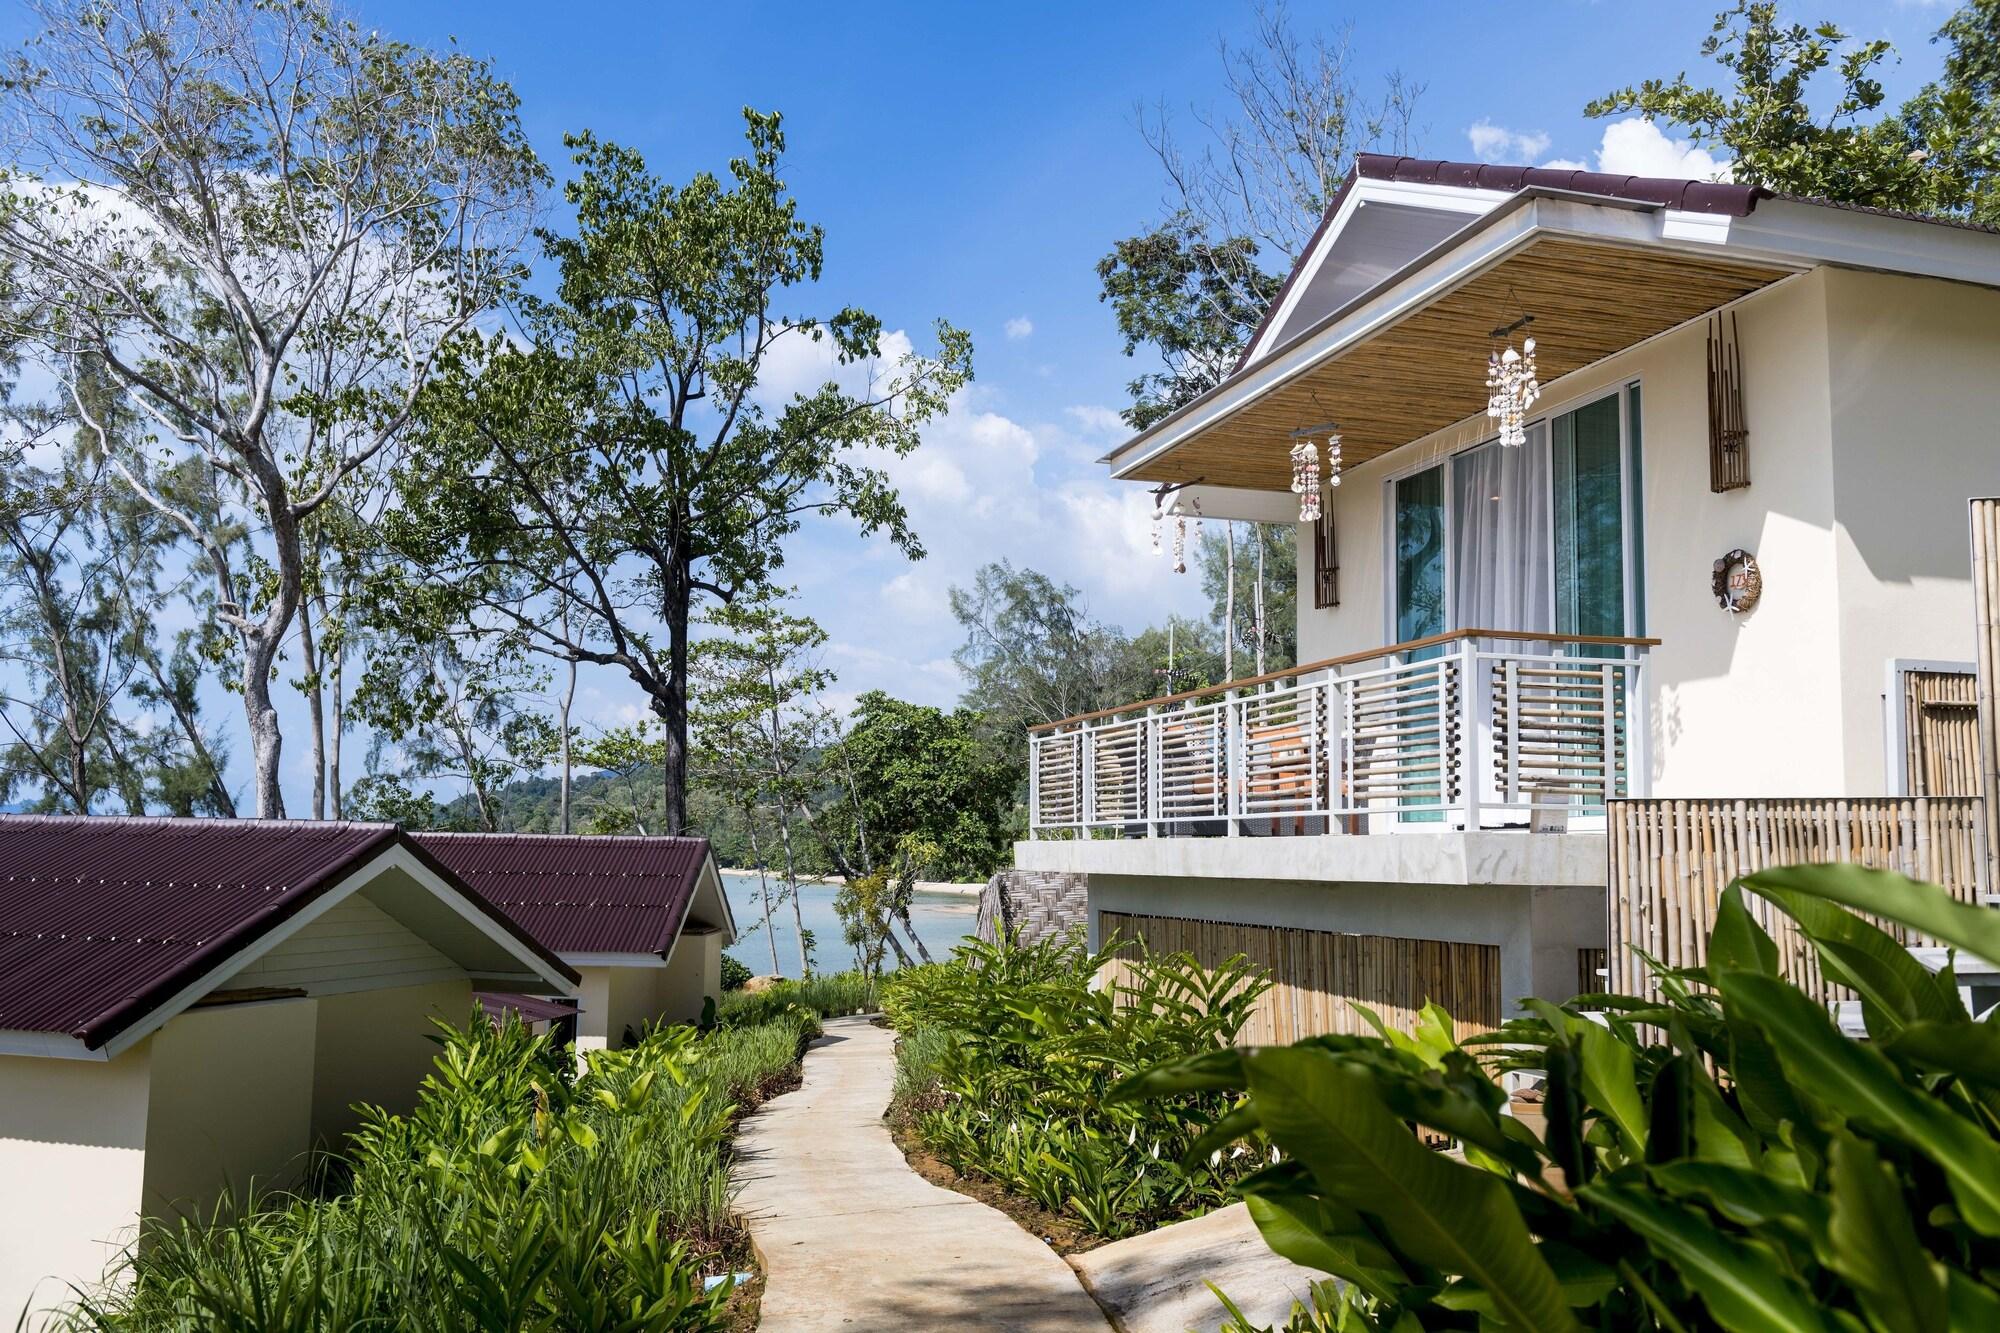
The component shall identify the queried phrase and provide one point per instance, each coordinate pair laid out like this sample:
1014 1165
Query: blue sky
973 162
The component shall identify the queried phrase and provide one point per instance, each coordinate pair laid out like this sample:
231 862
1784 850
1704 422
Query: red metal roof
580 894
530 1008
104 918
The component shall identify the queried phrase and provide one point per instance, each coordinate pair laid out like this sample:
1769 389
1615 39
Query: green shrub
1008 1054
734 974
825 996
516 1195
1722 1157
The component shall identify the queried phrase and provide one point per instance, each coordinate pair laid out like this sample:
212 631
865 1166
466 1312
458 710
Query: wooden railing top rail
1349 659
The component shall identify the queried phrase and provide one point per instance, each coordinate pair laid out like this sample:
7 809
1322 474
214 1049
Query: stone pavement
852 1239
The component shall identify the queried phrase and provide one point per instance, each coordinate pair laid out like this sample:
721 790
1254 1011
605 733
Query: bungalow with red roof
643 920
187 1006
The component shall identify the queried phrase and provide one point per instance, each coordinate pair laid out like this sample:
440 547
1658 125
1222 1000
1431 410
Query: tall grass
517 1195
826 996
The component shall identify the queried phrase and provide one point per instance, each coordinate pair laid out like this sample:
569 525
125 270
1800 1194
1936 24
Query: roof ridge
203 822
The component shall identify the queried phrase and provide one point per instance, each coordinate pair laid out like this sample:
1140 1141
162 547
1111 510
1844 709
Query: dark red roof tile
580 894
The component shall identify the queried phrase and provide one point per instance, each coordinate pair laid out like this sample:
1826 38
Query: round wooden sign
1737 582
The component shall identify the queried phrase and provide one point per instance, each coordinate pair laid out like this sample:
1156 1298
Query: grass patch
825 996
518 1194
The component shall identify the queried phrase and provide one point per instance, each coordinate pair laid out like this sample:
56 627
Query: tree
1939 154
1032 654
755 678
1240 211
447 715
263 224
920 772
1264 624
630 472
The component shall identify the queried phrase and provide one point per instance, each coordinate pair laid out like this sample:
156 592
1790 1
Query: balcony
1473 730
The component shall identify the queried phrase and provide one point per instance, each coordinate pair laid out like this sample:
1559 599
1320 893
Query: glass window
1589 520
1420 555
1499 564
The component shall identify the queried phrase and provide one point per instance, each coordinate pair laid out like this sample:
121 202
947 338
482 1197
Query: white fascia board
54 1045
184 998
711 875
1239 502
1397 298
397 857
402 858
1454 261
612 959
1820 233
1408 194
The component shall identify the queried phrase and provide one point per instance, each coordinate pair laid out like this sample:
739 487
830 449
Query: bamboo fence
1670 860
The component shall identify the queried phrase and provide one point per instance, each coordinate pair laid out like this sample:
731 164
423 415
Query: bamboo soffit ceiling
1428 370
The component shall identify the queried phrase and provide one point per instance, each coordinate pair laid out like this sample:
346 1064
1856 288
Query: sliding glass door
1530 539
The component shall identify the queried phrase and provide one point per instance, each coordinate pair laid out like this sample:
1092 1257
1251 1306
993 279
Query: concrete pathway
852 1239
1155 1283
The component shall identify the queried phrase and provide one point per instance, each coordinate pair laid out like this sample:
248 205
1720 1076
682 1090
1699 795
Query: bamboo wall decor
1986 629
1728 433
1326 562
1940 733
1318 972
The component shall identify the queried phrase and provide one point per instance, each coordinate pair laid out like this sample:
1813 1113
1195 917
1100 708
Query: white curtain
1500 536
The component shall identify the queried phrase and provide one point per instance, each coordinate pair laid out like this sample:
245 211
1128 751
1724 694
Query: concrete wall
1916 433
72 1172
1538 929
1871 401
231 1104
614 999
374 1047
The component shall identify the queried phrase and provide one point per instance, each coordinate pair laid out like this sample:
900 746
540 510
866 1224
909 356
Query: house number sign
1736 582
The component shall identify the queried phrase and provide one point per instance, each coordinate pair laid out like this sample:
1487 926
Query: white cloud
1496 143
1019 327
1565 164
1097 420
1636 146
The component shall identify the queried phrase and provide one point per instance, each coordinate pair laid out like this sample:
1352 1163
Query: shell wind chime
1307 483
1511 383
1180 515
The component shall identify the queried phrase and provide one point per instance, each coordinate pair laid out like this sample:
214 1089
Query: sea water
941 920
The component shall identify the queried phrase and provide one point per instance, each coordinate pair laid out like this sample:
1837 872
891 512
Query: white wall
1916 433
1871 402
72 1171
375 1047
353 945
230 1104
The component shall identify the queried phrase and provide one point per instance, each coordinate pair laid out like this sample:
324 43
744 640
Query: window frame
1631 529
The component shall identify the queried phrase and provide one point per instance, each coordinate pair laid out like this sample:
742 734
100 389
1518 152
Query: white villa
1715 609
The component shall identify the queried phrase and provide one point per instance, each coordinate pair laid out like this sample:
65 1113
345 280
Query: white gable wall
353 946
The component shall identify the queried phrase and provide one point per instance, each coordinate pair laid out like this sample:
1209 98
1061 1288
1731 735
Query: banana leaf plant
1718 1157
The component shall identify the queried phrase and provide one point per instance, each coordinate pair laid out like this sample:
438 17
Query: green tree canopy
614 467
1939 153
924 773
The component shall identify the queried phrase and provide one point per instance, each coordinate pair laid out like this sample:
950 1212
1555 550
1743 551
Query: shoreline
934 887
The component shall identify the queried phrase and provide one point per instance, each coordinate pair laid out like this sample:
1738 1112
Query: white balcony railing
1452 729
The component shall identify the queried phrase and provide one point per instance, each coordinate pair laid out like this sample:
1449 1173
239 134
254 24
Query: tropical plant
1722 1156
518 1194
824 995
1008 1055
